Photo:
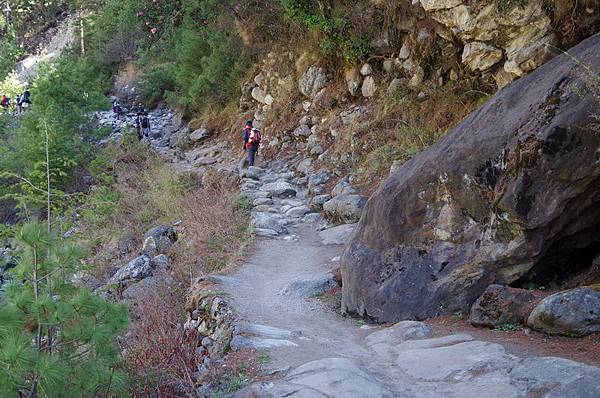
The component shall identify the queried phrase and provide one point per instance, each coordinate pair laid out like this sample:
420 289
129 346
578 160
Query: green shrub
339 36
54 336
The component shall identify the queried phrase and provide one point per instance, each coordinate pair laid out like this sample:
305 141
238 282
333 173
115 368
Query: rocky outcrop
514 187
572 313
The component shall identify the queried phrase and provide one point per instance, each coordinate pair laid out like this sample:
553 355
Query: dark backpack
145 122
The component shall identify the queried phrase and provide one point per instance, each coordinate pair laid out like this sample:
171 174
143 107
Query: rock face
514 187
572 313
499 305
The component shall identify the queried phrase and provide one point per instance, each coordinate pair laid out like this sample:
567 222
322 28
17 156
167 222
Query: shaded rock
312 218
345 208
262 201
511 189
159 240
318 179
337 235
299 211
309 287
318 201
572 313
199 135
499 305
343 187
280 189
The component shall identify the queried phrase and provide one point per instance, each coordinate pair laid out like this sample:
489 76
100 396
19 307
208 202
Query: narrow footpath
315 352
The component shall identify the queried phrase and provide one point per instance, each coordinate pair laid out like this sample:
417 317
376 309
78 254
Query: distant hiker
117 108
25 100
145 124
139 115
5 103
252 139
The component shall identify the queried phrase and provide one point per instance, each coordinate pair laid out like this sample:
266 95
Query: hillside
422 218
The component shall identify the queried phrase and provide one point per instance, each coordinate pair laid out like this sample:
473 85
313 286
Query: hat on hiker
249 123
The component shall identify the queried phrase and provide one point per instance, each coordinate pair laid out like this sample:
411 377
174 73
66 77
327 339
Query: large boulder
313 80
572 313
514 188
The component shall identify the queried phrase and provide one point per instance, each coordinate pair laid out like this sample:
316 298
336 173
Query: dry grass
141 192
161 355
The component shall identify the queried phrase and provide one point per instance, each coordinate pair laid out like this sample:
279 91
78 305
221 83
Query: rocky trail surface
313 351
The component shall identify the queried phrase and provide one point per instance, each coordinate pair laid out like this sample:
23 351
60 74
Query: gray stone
138 290
162 261
137 269
199 135
369 87
572 313
312 81
399 333
258 343
262 201
332 377
345 208
317 150
343 187
313 218
339 235
423 344
263 331
305 166
280 189
299 211
455 361
302 131
252 172
556 377
268 221
309 287
317 179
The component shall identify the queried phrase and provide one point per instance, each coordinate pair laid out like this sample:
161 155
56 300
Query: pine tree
56 339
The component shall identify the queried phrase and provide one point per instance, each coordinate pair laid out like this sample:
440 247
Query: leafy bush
9 54
340 37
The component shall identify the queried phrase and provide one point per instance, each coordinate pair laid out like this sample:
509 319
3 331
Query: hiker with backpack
145 125
25 100
252 137
139 116
117 108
